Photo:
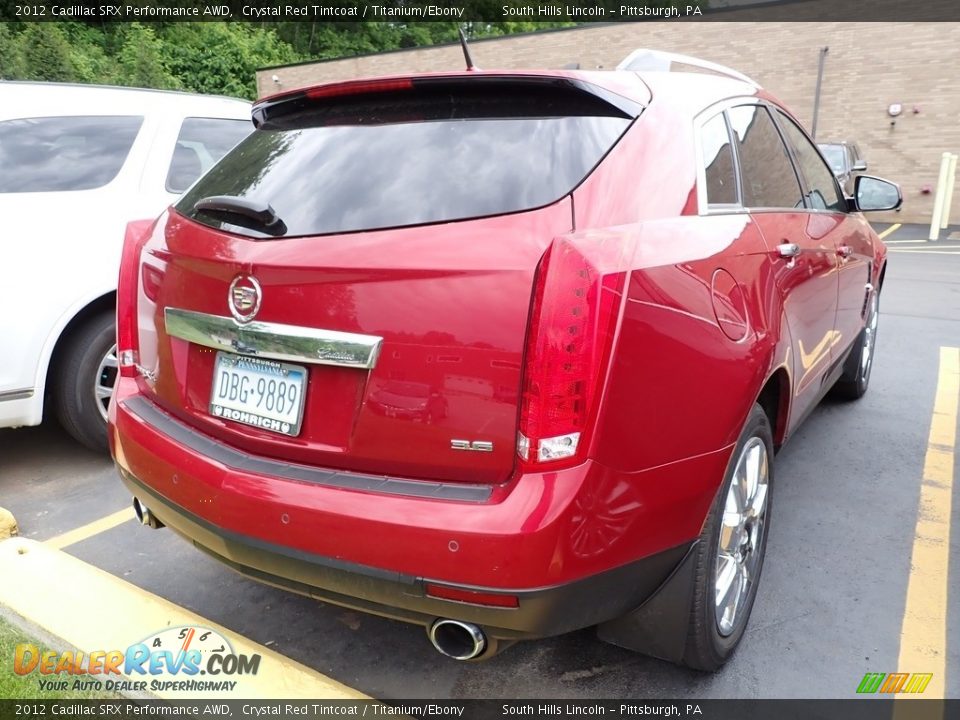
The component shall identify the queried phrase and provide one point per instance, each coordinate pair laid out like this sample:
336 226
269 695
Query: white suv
77 163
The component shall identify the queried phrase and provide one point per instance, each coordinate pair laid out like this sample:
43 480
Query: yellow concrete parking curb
92 610
8 524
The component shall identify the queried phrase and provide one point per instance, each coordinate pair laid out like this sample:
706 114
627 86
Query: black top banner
472 11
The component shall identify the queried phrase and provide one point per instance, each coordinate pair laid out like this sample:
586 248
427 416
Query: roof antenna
466 50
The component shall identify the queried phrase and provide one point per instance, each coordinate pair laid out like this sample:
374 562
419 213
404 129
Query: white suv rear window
200 145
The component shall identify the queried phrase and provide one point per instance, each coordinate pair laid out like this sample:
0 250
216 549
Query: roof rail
659 60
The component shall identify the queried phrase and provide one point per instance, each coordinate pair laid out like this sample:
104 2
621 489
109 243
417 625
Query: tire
716 627
855 380
85 373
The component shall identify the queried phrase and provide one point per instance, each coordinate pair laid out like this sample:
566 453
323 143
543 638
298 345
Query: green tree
46 53
222 58
142 60
11 59
91 53
214 57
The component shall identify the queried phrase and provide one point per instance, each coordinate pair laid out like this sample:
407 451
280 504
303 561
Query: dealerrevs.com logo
174 659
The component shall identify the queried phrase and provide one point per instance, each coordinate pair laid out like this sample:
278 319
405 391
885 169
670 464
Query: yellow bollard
938 198
948 191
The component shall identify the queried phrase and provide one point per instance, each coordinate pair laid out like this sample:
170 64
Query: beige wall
868 67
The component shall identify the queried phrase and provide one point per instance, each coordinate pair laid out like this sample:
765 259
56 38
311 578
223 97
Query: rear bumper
576 547
541 612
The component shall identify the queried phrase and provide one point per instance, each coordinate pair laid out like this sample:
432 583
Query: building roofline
738 6
452 43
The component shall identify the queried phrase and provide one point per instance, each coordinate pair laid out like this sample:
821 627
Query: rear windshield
53 154
409 158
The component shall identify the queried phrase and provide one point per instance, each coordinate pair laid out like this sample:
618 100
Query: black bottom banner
855 709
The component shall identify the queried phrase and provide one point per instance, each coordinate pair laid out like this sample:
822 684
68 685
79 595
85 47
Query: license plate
263 393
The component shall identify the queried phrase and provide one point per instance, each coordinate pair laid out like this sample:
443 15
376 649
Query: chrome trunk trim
291 343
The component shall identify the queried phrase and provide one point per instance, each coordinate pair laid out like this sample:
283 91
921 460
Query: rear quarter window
718 168
200 145
767 175
412 158
56 154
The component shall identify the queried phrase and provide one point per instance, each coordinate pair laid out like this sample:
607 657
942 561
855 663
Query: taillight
573 319
136 236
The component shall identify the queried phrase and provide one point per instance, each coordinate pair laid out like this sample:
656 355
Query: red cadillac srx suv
504 354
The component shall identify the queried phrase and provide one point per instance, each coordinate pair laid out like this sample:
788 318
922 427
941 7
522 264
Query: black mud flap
659 627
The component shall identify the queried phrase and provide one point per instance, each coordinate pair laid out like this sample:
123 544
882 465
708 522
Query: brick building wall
869 66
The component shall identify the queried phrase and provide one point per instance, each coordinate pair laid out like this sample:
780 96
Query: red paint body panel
706 314
673 360
544 529
452 309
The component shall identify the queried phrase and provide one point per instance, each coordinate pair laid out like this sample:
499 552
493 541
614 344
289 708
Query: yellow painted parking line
930 248
923 635
918 251
8 524
890 230
92 610
90 529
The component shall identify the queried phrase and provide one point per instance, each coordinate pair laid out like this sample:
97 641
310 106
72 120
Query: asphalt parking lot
832 601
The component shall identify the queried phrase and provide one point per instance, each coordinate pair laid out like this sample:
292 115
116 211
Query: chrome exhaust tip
146 518
456 639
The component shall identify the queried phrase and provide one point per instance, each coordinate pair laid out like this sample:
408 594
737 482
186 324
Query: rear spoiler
531 94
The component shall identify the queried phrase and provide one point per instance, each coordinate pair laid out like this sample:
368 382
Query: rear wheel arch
774 398
103 304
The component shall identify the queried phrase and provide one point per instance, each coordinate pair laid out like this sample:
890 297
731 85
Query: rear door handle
788 250
844 251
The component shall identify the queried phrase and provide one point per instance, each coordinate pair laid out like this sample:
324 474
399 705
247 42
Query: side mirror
859 166
872 193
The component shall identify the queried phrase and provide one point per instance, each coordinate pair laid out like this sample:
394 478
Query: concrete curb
8 524
92 610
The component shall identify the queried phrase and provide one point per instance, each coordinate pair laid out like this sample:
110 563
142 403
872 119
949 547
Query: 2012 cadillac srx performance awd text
505 354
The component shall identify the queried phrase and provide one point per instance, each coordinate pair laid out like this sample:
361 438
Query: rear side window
201 143
820 189
412 157
719 171
767 175
55 154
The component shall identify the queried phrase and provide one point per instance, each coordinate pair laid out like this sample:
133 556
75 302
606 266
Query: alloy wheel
105 379
740 545
869 338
